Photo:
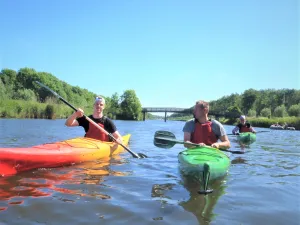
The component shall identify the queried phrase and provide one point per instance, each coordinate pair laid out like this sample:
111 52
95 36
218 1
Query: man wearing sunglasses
78 119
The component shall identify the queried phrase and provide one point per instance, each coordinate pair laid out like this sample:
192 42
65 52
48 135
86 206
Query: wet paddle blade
164 139
166 134
142 156
162 143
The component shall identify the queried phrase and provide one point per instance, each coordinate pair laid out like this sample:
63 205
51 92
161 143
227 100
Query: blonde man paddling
78 119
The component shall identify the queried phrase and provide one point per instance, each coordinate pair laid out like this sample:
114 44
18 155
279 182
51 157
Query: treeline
256 103
260 103
262 108
21 97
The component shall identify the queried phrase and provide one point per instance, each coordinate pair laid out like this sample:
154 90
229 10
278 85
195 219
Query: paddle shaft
90 120
175 141
161 137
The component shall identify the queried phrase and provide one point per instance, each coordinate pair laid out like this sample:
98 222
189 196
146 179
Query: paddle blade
162 143
142 156
166 134
164 139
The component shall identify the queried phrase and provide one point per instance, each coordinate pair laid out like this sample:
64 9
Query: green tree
114 107
50 112
294 110
262 101
130 106
251 113
266 112
25 94
233 111
3 94
280 111
8 76
248 99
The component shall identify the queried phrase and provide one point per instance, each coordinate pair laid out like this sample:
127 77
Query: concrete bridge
172 110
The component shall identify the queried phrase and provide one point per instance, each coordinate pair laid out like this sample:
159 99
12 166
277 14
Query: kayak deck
14 160
246 138
204 164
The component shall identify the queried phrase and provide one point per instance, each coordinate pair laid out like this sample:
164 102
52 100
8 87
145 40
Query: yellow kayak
67 152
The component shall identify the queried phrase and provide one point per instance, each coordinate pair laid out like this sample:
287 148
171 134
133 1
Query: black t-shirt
109 126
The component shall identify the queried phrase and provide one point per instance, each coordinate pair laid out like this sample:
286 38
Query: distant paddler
243 126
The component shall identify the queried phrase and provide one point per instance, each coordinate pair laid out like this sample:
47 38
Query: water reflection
239 160
49 182
202 206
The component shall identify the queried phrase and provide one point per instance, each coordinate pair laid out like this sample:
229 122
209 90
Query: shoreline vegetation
20 109
21 97
262 122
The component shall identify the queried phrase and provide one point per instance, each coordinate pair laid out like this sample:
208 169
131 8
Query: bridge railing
166 109
177 110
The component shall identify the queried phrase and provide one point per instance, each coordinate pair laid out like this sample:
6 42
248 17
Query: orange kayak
63 153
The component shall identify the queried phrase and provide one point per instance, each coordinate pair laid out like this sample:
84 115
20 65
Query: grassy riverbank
265 122
33 109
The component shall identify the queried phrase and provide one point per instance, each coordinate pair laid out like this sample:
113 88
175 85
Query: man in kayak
78 119
201 130
243 126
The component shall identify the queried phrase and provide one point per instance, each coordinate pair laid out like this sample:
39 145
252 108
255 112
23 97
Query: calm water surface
262 185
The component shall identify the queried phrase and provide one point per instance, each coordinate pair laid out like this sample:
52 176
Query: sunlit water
262 185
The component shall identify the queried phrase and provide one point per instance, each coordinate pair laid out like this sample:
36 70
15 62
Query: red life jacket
203 134
96 133
244 128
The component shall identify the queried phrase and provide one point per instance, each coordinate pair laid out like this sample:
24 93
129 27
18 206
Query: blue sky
170 52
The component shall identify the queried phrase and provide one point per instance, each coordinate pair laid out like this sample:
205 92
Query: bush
252 113
233 111
294 110
32 109
266 112
280 111
49 112
266 122
25 94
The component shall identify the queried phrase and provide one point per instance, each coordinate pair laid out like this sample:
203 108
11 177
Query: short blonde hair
100 98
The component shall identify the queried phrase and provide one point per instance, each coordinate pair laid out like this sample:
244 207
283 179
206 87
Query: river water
262 185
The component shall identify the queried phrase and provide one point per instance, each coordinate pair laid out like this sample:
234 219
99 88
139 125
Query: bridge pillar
144 116
166 116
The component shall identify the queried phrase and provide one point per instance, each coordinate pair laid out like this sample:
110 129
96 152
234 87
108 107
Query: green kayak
246 138
204 164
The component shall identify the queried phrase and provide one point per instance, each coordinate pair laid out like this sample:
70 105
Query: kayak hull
274 127
63 153
246 138
204 164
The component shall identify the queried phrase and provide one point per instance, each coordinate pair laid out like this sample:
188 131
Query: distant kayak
290 128
204 164
63 153
246 138
276 127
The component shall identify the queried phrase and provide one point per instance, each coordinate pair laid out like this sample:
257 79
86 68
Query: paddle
135 155
262 131
166 139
